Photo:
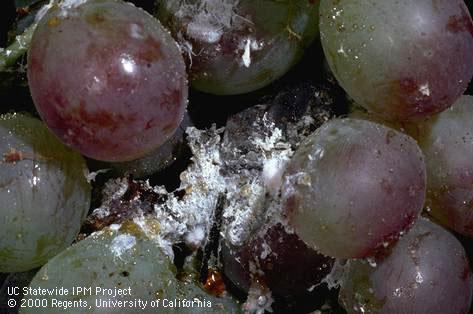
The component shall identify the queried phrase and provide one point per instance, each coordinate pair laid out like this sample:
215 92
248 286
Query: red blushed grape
403 59
107 79
447 142
277 259
238 46
427 271
352 186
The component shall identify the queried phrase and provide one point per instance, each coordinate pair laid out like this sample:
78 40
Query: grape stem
9 55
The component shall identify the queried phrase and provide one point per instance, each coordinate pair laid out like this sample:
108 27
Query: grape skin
447 142
238 46
44 196
404 59
107 79
127 257
427 271
352 186
274 259
158 159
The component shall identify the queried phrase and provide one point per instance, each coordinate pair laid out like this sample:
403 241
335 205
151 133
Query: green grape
238 46
44 195
126 259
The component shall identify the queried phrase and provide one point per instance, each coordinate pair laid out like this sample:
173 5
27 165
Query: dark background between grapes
204 110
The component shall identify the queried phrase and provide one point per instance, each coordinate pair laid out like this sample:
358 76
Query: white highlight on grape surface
247 54
424 89
128 64
96 84
397 292
319 153
121 244
249 45
372 262
34 181
342 51
136 31
419 277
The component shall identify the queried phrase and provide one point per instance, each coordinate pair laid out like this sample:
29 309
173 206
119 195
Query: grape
426 272
274 259
44 196
447 142
352 186
108 259
121 259
238 46
158 159
107 79
402 59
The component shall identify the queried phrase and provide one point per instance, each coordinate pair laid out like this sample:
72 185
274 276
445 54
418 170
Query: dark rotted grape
277 259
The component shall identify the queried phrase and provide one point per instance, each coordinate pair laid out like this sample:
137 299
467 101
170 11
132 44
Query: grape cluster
296 197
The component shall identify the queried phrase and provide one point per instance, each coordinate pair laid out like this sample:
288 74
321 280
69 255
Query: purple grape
353 186
427 271
403 59
447 142
107 79
278 260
